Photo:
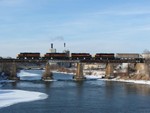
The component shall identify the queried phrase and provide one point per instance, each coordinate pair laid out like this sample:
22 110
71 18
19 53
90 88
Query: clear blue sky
85 25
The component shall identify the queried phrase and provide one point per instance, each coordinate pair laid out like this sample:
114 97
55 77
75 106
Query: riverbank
128 81
99 75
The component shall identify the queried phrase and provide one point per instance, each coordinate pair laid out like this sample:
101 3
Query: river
90 96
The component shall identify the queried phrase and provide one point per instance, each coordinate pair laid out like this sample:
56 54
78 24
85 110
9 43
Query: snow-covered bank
129 81
10 97
99 77
122 80
100 74
27 75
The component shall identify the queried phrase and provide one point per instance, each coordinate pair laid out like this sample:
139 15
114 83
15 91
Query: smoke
57 38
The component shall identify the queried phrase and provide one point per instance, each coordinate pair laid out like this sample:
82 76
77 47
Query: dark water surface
91 96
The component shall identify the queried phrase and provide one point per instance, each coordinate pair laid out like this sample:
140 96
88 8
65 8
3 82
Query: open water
90 96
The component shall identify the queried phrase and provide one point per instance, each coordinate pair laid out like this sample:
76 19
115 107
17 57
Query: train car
145 55
80 56
28 55
104 56
127 55
56 56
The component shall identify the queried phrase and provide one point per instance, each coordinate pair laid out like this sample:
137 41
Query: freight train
58 56
80 56
27 55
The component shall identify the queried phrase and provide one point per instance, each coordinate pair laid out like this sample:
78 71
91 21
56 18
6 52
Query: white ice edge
129 81
10 97
26 74
93 76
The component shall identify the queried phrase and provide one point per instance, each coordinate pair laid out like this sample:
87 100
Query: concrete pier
13 72
109 70
47 74
142 68
79 73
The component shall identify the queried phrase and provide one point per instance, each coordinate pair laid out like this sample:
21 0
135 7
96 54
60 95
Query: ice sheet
10 97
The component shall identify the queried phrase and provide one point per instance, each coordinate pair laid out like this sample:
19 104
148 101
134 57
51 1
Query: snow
24 74
93 76
28 76
100 74
99 77
50 80
133 81
10 97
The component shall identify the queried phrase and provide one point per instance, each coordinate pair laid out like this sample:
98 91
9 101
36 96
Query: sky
91 26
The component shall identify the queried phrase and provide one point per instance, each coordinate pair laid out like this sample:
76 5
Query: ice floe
10 97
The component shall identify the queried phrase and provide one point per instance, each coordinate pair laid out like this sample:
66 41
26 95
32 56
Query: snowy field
10 97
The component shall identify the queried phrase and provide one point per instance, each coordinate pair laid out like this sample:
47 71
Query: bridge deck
72 61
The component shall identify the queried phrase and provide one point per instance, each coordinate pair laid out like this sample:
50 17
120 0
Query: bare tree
146 51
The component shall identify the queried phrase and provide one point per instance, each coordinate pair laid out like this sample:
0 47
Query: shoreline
94 76
145 82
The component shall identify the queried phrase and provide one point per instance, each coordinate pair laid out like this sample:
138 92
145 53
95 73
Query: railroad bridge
139 65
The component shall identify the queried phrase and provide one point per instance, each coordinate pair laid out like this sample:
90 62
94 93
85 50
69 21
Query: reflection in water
112 88
109 89
80 88
14 85
48 85
137 89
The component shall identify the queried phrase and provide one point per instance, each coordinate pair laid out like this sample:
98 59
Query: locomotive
56 56
27 55
81 56
104 56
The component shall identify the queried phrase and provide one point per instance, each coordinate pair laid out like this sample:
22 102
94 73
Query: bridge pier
47 74
13 72
79 73
142 68
109 70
